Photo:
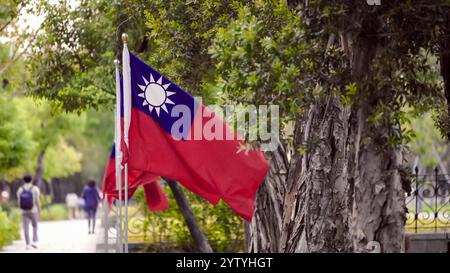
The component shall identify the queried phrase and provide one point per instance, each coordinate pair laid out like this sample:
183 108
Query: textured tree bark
378 212
303 206
263 232
316 204
197 234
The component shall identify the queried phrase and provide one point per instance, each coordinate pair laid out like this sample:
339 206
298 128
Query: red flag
155 197
163 143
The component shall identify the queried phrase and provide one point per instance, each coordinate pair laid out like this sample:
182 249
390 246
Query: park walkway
70 236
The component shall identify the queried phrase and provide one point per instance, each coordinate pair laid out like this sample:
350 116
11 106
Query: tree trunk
303 205
379 210
39 178
263 232
316 202
343 188
197 234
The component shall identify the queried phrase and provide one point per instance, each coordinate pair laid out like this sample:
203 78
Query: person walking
72 205
28 198
91 198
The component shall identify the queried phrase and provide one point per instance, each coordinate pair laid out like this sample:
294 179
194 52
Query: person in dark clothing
91 198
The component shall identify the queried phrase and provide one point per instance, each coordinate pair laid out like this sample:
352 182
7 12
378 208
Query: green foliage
38 129
350 91
99 127
54 212
72 61
8 10
31 126
399 69
426 140
47 125
61 160
15 214
14 140
9 229
221 226
259 62
93 141
72 143
180 33
12 74
246 51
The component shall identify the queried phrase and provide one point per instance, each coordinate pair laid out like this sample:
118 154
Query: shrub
167 230
9 229
54 212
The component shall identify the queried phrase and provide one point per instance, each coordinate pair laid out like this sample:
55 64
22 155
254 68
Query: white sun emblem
155 94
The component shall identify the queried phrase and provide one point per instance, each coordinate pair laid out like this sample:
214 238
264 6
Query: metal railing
429 203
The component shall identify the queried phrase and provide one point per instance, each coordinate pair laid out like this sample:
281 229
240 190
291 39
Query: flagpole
118 158
105 222
127 113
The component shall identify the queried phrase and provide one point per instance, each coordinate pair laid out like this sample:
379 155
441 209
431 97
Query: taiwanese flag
165 138
154 195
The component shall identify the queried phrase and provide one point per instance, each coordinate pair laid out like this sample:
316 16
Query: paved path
69 236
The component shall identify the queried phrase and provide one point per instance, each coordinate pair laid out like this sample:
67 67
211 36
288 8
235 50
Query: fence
429 203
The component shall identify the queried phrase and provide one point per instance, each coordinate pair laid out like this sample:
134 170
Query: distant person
72 205
91 198
81 205
4 201
28 198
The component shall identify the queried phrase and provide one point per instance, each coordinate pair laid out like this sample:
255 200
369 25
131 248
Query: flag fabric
155 197
165 139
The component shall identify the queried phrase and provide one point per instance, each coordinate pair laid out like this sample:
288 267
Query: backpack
26 199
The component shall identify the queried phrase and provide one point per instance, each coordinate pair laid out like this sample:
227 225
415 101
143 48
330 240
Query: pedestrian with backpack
28 198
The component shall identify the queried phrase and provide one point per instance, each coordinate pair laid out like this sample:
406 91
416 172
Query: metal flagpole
105 222
118 158
127 113
126 208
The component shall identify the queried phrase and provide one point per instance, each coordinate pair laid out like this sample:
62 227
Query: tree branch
11 19
17 57
197 234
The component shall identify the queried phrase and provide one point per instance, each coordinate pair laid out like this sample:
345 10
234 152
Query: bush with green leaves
9 229
223 228
54 212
